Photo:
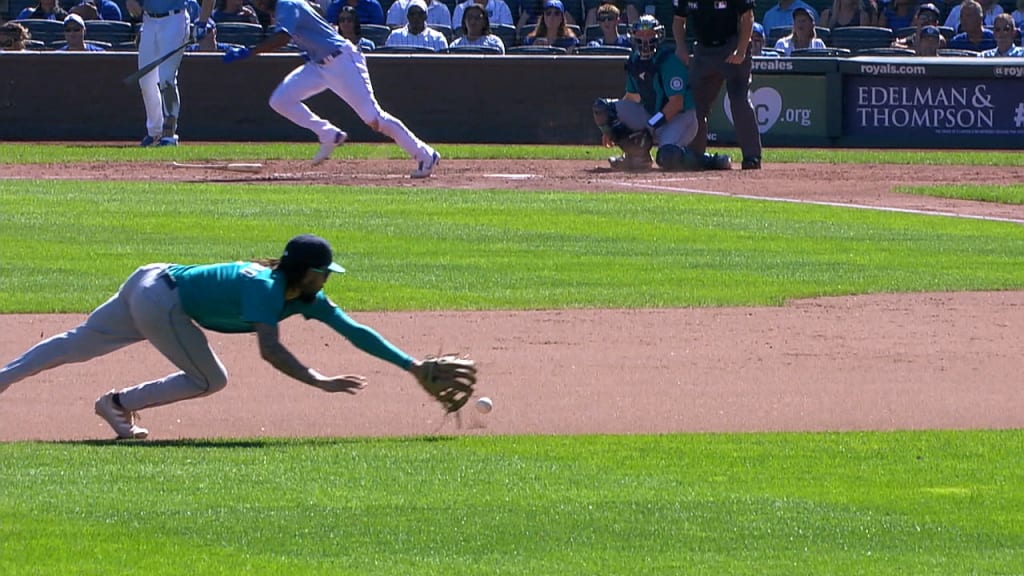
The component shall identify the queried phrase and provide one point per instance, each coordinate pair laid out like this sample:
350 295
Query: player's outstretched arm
279 357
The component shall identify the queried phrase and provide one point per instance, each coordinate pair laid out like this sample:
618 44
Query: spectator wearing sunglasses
1005 33
973 36
608 16
370 11
437 13
551 29
416 32
629 10
476 28
351 29
927 15
989 10
497 11
74 36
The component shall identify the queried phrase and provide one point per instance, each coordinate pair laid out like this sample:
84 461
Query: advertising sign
792 107
943 111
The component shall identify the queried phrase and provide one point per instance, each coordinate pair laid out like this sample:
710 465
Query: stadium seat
376 33
887 51
536 50
604 51
594 32
111 31
60 44
506 33
780 31
405 50
957 52
861 37
473 50
45 31
820 52
239 33
449 34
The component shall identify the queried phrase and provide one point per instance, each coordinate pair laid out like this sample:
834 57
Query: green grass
1007 194
16 153
859 503
67 245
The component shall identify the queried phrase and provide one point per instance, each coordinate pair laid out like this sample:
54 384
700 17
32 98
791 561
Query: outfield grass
1006 194
903 503
860 503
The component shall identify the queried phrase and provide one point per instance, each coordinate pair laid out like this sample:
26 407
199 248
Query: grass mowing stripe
856 503
33 153
67 245
1005 194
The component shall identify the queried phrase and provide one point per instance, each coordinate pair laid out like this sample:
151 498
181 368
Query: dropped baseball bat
228 166
134 76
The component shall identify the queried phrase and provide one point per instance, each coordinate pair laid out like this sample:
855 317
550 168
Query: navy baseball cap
930 31
557 4
929 7
311 251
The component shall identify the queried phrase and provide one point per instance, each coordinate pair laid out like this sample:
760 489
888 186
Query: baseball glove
449 379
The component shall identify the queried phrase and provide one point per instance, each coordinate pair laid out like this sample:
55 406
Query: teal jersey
658 78
232 297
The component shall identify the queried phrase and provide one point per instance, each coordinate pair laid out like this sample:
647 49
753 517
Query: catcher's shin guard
607 120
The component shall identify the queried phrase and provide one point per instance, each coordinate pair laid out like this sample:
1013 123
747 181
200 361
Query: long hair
486 19
357 26
293 274
541 30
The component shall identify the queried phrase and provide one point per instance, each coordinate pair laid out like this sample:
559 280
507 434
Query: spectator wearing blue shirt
974 36
370 11
608 20
551 29
1004 31
351 29
45 10
757 42
74 36
782 14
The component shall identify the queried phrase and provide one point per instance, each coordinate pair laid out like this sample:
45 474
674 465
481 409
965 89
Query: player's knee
214 380
277 101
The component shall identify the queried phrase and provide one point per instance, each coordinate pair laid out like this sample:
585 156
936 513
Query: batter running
166 304
333 62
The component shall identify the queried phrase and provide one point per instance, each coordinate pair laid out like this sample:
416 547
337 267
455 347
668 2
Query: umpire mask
646 33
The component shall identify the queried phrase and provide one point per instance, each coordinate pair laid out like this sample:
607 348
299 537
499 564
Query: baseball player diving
334 63
657 109
167 303
165 26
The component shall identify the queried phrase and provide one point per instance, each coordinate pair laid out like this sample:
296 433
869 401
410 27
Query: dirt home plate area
878 362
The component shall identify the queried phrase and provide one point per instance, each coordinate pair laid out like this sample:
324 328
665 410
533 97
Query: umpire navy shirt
716 20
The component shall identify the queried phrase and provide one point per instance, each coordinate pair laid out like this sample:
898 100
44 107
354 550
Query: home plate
513 176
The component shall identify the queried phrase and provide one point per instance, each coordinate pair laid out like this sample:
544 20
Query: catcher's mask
646 33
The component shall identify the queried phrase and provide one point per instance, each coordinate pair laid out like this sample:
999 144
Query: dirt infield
859 363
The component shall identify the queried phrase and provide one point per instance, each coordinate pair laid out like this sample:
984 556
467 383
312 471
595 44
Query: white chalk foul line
822 203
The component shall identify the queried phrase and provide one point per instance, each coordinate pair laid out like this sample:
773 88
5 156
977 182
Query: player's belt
168 280
163 14
327 59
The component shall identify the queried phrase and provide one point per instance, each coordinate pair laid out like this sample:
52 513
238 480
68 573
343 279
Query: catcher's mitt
449 379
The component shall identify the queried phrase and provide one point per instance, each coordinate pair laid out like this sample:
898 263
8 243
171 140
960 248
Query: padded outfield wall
859 102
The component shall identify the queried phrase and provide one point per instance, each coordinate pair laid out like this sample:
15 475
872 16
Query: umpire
722 53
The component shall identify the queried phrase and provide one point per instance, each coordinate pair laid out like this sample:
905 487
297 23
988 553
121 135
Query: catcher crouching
656 110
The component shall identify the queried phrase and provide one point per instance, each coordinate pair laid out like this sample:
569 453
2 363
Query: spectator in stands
13 37
899 14
757 43
532 11
927 15
351 29
782 14
370 11
208 43
105 10
990 9
973 35
551 30
477 26
608 19
927 43
1005 31
437 13
1018 15
498 12
74 36
45 10
803 35
416 32
86 10
234 11
846 13
633 9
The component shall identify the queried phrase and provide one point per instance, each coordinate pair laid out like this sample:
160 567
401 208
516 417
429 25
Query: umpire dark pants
708 69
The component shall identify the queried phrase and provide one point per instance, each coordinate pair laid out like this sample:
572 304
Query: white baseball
484 405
